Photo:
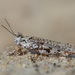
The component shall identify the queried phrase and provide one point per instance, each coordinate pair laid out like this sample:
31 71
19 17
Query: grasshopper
37 45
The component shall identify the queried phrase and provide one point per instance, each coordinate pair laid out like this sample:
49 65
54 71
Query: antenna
9 26
8 30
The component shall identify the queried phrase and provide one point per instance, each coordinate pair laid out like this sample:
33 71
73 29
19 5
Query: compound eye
23 40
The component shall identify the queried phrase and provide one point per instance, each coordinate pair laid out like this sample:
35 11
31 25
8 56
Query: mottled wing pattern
45 46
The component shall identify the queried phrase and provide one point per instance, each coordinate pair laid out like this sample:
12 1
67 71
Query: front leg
20 51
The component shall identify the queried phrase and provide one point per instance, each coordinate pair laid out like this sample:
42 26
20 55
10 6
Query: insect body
41 46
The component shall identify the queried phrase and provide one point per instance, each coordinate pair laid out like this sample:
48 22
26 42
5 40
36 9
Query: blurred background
51 19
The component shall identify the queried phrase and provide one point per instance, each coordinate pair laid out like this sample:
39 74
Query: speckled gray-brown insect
37 45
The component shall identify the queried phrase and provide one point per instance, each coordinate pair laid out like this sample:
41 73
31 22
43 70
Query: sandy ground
29 64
